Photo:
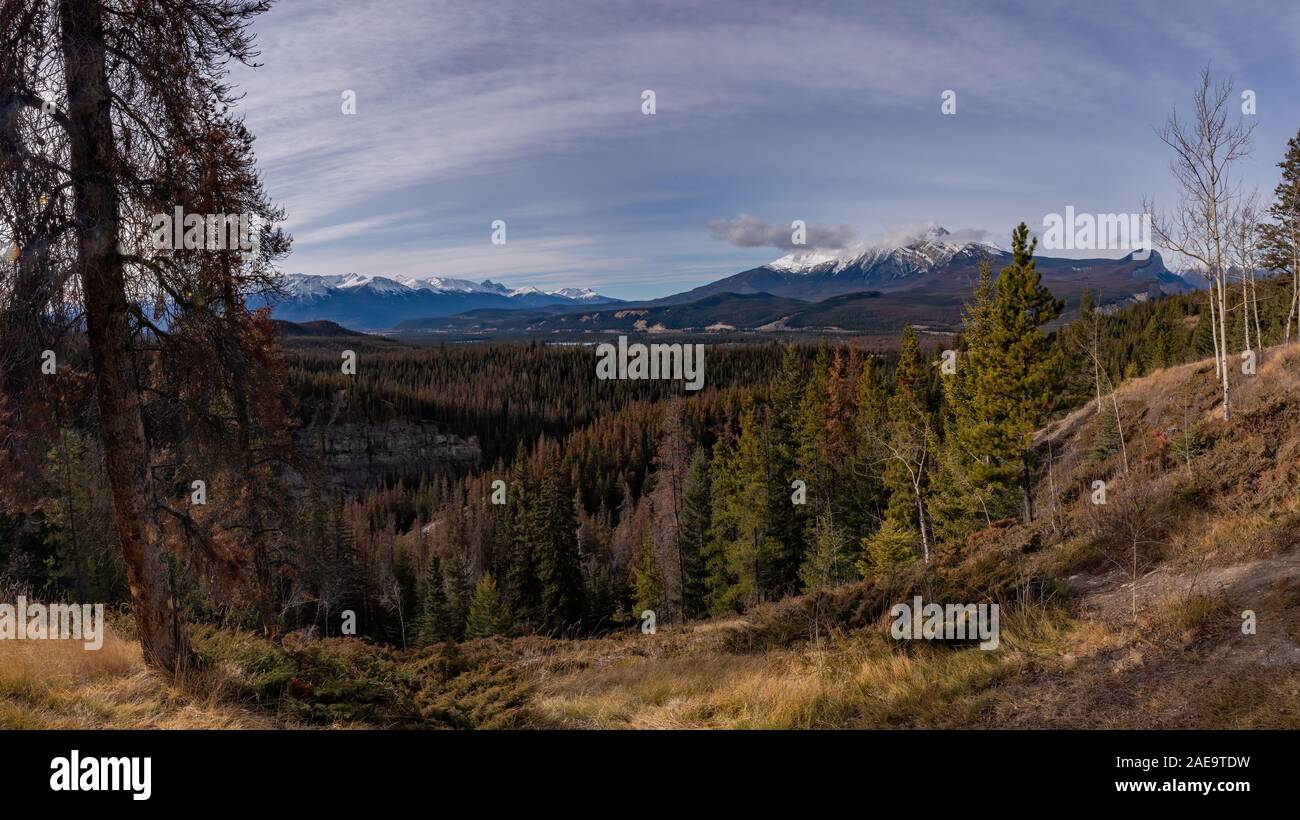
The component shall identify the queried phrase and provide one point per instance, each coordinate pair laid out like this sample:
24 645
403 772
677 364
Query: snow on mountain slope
303 284
923 251
934 263
372 302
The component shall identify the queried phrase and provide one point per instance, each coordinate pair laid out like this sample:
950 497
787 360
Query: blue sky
469 112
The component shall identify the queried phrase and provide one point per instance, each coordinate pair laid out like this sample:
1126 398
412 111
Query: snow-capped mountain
927 250
370 302
933 262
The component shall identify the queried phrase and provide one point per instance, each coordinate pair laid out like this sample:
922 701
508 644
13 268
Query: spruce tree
458 593
695 532
647 581
518 561
1106 440
891 547
810 455
759 559
908 442
827 562
866 491
488 614
553 532
433 623
1280 239
962 501
1017 372
602 596
721 580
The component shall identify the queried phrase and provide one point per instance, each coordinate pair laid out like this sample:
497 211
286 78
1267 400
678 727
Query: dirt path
1104 595
1268 587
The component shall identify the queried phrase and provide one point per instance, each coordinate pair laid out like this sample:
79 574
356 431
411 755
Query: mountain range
931 263
923 280
380 302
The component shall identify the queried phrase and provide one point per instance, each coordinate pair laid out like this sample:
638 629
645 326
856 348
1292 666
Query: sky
467 112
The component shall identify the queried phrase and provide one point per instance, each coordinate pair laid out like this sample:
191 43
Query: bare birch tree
1205 147
1243 244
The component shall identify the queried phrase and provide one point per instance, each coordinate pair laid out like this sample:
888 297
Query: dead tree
112 112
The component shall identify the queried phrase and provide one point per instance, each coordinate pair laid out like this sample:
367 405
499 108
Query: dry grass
1190 616
859 680
56 684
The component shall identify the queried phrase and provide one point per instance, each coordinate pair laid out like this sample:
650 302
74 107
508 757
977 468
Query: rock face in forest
354 455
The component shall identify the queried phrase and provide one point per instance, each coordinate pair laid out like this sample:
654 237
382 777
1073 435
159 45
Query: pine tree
1280 239
1017 371
964 501
787 457
721 579
339 580
488 613
668 484
909 444
553 532
458 593
810 455
865 487
759 560
434 622
695 533
647 581
518 561
827 562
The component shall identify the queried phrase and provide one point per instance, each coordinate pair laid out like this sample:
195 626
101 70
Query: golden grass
859 681
1190 615
56 684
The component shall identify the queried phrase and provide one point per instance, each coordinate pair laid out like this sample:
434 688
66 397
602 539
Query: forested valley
621 497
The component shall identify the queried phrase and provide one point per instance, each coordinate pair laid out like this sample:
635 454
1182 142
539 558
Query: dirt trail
1269 587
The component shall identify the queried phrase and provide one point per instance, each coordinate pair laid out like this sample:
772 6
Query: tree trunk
1223 343
1214 332
1119 428
1295 284
1254 302
121 420
1024 483
920 522
1245 309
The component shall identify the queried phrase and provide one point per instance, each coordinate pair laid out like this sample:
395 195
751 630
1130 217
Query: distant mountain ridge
379 302
924 280
931 262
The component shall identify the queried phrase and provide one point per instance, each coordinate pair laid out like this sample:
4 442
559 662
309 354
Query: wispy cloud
467 112
747 231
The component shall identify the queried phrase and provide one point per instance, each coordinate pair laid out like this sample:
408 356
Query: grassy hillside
1214 511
